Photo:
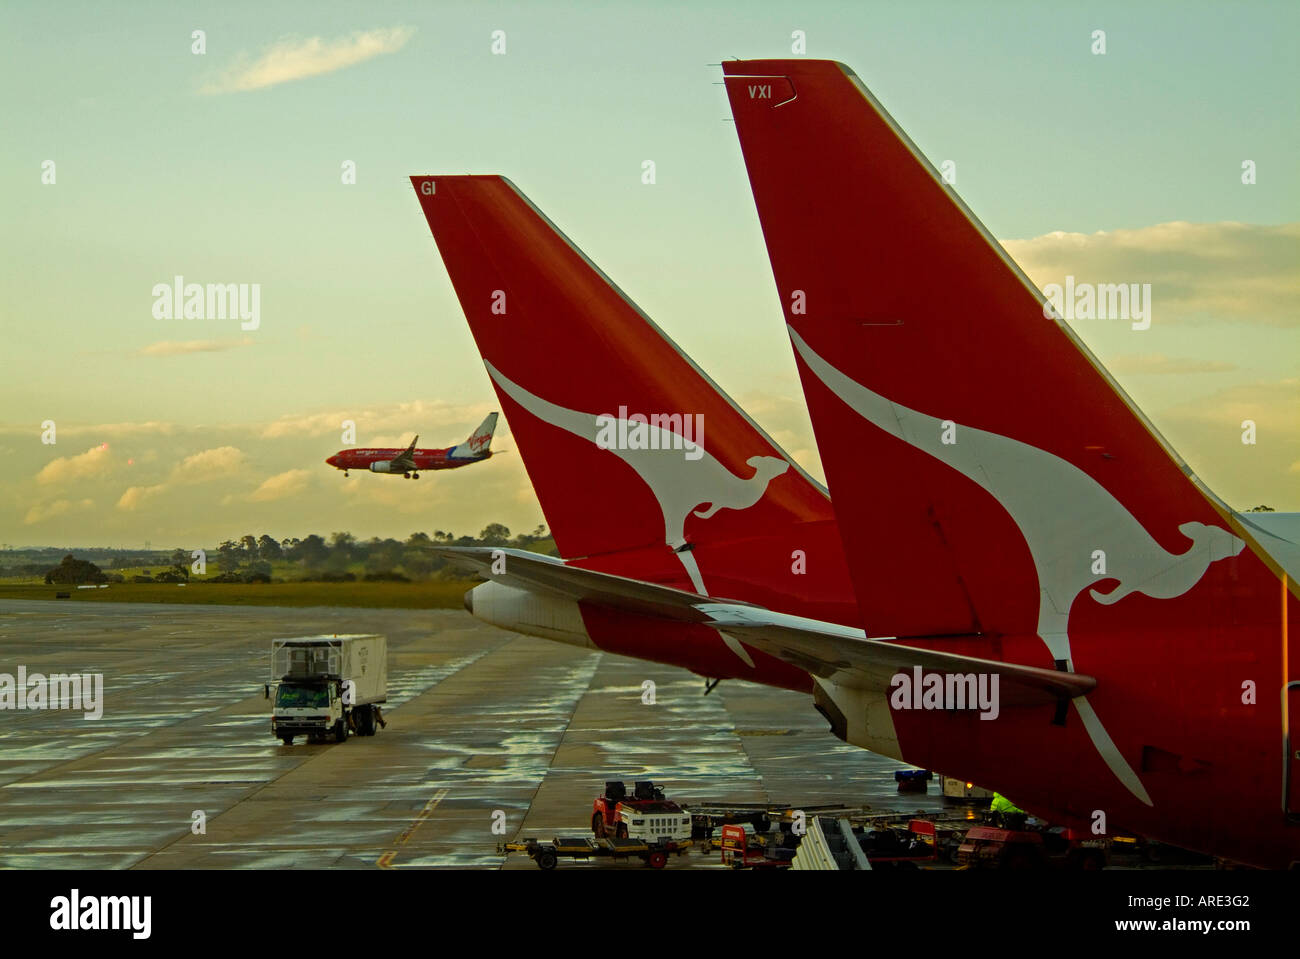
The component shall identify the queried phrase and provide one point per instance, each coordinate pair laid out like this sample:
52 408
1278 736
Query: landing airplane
730 564
410 461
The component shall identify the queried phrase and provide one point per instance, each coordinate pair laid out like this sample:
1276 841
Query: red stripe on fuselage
424 459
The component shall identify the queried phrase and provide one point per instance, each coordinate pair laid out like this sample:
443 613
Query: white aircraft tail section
479 441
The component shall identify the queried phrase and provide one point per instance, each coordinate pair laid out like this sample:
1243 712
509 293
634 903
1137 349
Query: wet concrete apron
487 731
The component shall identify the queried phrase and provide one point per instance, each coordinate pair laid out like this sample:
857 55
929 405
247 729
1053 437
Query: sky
227 165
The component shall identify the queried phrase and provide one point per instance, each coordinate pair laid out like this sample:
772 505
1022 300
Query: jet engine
537 614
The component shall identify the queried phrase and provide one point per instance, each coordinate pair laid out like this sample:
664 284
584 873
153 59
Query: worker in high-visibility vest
1007 812
1002 804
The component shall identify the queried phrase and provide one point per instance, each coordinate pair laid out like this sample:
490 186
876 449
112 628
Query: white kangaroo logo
680 485
1062 513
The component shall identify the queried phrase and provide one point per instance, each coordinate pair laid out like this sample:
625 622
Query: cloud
136 495
1225 271
99 432
193 484
784 417
198 467
1273 404
119 429
409 418
1155 363
295 58
94 462
209 464
395 440
43 511
1208 431
281 485
181 347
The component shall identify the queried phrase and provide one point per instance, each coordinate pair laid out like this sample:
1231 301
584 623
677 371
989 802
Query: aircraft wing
535 572
406 459
840 653
849 657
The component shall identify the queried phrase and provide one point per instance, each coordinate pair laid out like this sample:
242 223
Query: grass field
430 595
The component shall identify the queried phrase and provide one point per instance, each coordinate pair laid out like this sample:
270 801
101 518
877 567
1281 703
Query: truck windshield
298 697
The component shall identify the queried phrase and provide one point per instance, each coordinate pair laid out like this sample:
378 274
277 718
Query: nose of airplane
333 460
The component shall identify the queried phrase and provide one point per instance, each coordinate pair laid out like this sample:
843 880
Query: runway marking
386 860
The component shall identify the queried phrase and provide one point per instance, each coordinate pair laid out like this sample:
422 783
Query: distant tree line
344 558
263 559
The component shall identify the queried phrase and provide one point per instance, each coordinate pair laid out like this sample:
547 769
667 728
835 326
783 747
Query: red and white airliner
1002 508
410 461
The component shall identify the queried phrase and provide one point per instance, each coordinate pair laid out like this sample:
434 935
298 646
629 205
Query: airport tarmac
484 727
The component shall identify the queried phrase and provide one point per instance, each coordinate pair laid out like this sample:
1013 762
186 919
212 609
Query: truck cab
308 707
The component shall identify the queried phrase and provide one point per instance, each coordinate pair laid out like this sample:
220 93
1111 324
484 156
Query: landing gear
415 476
345 473
406 476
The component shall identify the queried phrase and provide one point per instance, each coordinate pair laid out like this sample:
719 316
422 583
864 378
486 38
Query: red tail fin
936 381
642 465
989 477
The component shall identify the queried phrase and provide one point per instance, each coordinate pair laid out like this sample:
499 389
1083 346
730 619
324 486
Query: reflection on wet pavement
486 729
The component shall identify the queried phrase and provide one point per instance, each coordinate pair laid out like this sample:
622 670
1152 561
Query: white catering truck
327 686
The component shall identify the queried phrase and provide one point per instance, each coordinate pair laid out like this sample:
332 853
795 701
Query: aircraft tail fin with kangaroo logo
992 481
643 466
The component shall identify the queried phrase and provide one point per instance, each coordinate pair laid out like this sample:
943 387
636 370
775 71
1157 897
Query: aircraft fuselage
369 459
